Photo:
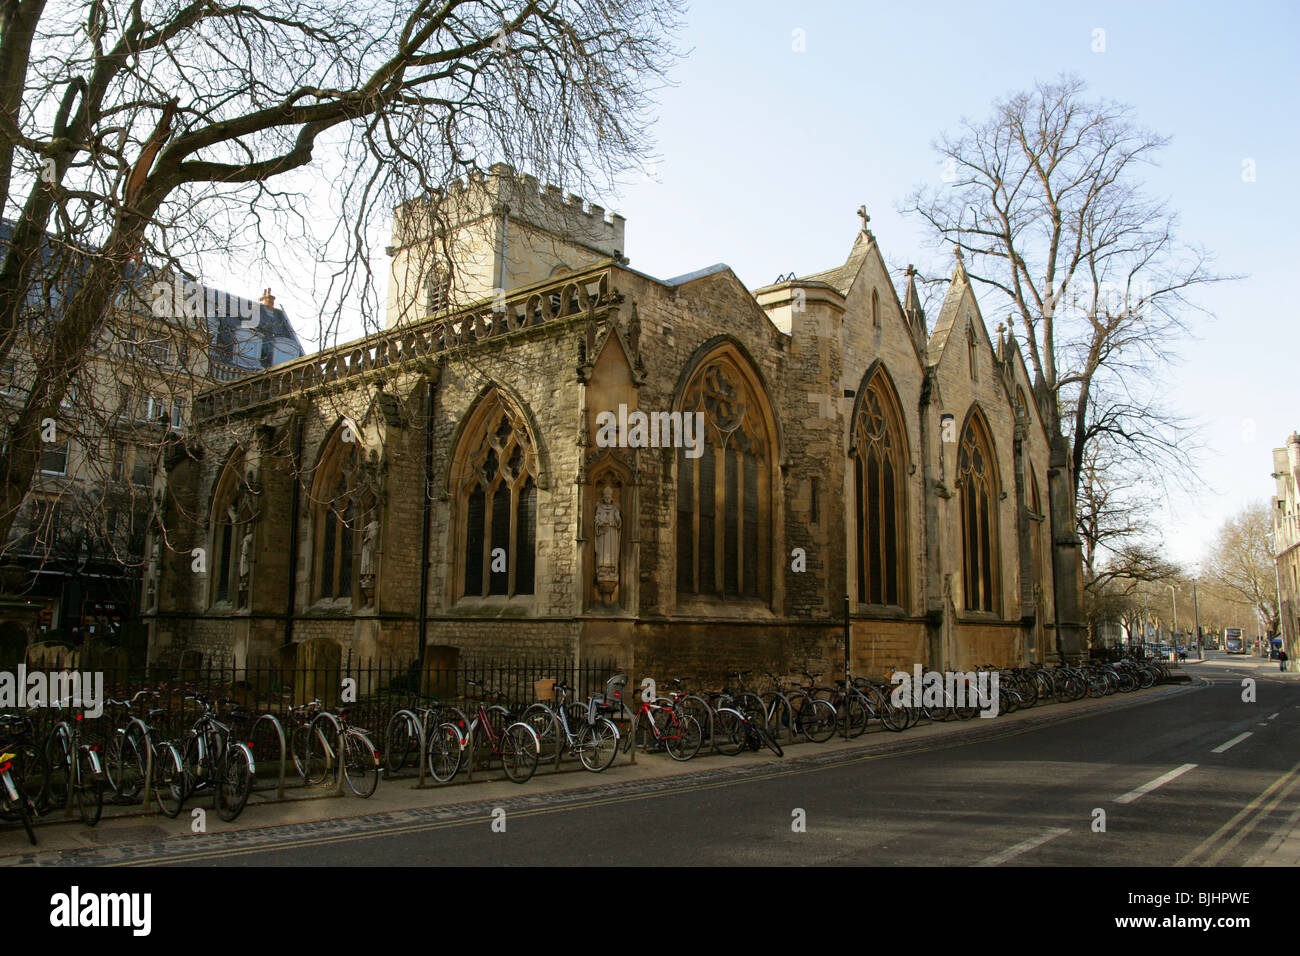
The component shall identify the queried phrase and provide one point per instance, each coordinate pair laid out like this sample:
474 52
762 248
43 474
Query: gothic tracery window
724 539
232 515
977 485
337 515
497 498
879 474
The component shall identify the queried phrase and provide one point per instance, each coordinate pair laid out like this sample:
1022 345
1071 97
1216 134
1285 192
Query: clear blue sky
766 153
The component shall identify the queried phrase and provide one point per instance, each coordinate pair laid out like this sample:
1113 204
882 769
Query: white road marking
1159 781
997 859
1231 743
1271 716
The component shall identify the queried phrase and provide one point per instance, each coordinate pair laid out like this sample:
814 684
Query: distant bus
1233 642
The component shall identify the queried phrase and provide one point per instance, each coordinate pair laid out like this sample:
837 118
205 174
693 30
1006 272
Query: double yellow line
1223 840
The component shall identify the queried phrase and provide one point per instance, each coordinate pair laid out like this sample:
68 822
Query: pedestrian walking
1281 660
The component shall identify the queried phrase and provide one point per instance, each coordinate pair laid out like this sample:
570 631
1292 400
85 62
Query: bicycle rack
279 732
338 750
421 754
148 758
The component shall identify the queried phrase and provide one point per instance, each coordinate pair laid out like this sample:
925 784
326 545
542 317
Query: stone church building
548 453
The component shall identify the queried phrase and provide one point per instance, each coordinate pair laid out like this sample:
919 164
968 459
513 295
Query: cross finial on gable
959 254
862 212
911 270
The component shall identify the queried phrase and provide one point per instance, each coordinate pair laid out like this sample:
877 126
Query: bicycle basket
544 689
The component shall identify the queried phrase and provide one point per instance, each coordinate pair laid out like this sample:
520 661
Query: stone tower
496 231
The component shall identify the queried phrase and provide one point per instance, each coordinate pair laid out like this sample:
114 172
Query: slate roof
223 327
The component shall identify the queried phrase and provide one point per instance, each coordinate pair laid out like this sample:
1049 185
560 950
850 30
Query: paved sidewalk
124 826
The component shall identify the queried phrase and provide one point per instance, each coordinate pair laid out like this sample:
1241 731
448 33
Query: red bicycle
516 744
662 724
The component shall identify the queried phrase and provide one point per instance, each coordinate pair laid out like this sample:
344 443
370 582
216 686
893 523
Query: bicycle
76 774
213 758
24 773
740 729
302 718
661 724
442 748
134 755
595 743
360 757
515 743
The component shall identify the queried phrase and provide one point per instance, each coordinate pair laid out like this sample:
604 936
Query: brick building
521 472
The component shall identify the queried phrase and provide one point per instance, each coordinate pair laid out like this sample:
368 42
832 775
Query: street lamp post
1173 595
1196 610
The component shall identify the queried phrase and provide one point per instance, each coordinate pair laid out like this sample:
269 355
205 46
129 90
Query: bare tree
1240 563
1045 202
156 131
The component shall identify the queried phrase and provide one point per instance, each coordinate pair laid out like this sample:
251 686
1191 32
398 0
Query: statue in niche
609 526
245 559
369 545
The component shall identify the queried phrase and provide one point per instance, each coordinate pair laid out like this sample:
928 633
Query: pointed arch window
971 352
978 489
875 308
880 459
496 482
724 510
232 519
342 503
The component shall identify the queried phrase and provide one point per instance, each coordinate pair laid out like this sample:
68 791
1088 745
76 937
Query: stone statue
245 555
369 541
369 544
609 525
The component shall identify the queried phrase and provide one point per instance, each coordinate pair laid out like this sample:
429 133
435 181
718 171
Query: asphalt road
1193 778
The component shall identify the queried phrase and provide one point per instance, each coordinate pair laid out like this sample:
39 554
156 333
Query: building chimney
267 299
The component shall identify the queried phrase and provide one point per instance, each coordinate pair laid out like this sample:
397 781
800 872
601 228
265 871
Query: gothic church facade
453 481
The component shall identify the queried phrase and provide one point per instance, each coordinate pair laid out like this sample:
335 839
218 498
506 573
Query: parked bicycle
334 744
512 741
578 728
76 773
213 759
24 773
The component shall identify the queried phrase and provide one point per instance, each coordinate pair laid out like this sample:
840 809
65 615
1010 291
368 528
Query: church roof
841 277
951 305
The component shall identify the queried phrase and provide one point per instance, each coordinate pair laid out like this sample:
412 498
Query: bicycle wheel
598 744
400 741
852 709
519 752
168 779
728 732
816 720
129 763
89 787
445 752
58 754
234 781
684 737
13 803
31 775
322 750
360 763
547 728
771 741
